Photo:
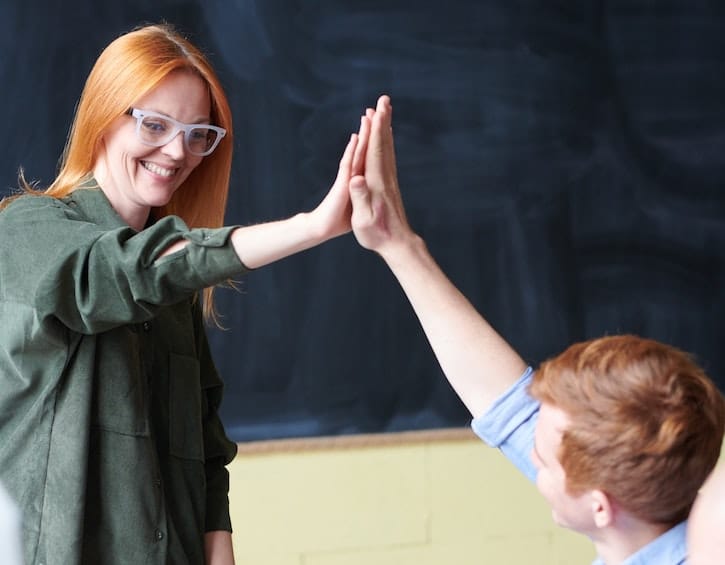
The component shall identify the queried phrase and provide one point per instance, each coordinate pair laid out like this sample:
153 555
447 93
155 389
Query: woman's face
136 177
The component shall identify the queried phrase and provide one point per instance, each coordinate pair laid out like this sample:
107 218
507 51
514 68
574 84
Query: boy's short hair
646 423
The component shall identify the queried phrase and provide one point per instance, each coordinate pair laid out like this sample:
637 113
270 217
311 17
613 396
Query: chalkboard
565 162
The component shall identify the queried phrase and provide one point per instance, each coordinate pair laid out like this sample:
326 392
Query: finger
385 108
358 160
343 172
378 157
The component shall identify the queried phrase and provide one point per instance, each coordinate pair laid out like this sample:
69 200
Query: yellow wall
397 499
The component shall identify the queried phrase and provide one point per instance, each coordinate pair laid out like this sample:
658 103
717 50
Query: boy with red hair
618 433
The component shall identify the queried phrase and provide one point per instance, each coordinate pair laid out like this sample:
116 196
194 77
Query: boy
618 433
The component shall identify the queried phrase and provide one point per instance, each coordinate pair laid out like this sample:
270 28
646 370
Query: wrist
405 250
309 230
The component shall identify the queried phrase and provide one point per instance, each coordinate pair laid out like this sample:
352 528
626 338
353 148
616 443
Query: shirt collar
94 205
668 549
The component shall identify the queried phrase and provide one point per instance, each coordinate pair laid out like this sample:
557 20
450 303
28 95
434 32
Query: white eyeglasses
156 130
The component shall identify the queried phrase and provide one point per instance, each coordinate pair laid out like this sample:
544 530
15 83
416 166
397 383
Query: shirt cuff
217 497
212 255
510 423
506 413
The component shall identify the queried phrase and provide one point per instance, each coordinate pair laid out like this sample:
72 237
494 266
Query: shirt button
159 535
146 326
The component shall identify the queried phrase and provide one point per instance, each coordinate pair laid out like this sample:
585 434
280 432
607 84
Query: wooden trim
357 441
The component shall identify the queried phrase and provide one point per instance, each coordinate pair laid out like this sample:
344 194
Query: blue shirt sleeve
509 424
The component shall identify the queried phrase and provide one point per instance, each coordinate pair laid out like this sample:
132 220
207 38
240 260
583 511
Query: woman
110 441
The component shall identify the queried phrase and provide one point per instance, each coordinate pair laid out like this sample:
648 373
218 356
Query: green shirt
110 441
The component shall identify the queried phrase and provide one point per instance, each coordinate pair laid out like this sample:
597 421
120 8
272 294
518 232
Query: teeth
158 170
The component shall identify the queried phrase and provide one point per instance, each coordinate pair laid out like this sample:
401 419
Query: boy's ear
602 507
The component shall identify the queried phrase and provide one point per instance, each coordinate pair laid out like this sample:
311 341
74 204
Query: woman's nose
175 148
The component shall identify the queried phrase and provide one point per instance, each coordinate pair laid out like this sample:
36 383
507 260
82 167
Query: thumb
361 200
359 193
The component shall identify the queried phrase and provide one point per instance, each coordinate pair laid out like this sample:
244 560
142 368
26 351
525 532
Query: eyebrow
201 121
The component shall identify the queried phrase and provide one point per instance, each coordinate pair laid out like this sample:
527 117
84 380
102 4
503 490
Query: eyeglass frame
178 126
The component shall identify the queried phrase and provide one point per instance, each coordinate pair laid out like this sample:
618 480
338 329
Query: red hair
646 423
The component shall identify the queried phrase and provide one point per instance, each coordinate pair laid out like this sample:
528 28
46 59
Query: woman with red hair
110 439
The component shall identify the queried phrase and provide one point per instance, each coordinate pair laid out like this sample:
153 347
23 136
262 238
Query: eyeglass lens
155 130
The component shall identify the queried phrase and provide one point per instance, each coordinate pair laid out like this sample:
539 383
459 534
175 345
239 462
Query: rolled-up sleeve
509 424
94 277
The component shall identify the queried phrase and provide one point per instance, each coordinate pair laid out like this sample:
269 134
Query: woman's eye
199 134
155 126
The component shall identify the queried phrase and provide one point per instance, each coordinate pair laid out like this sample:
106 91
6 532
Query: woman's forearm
218 548
262 244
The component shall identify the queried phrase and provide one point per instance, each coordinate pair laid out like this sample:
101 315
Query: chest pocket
121 386
186 438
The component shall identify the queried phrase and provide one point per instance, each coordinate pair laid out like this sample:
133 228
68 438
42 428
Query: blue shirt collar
668 549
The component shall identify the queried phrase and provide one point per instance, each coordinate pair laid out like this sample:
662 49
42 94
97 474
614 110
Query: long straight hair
127 69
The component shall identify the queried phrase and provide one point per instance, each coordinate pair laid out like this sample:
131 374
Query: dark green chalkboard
565 162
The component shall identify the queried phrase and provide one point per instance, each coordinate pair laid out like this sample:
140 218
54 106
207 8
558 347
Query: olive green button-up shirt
110 442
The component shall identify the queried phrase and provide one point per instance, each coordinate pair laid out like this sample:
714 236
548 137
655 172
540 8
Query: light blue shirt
509 424
668 549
